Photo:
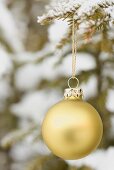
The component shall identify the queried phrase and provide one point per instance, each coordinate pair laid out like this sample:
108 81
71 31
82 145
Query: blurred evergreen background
35 64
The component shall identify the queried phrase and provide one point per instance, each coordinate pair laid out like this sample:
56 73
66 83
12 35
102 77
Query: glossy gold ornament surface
72 129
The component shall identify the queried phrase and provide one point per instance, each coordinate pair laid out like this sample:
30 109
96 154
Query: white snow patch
57 31
5 62
99 160
9 29
25 150
90 88
28 76
110 100
5 90
34 105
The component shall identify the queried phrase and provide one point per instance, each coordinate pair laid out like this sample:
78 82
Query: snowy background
28 56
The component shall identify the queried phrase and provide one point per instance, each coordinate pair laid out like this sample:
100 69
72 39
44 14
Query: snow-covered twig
83 10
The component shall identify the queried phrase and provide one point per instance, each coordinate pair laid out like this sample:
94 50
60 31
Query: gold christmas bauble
72 128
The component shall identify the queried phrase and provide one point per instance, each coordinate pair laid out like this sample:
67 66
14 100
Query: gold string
74 49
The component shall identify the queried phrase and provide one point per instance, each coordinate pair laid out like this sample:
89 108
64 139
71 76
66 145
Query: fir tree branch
82 10
16 136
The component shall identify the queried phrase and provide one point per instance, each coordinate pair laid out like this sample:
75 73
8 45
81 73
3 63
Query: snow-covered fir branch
83 10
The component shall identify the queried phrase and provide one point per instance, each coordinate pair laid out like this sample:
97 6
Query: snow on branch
83 10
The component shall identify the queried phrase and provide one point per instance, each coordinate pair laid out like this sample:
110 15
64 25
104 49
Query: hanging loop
75 79
74 51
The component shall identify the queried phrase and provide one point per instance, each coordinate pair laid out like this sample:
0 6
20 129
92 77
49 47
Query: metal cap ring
75 78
